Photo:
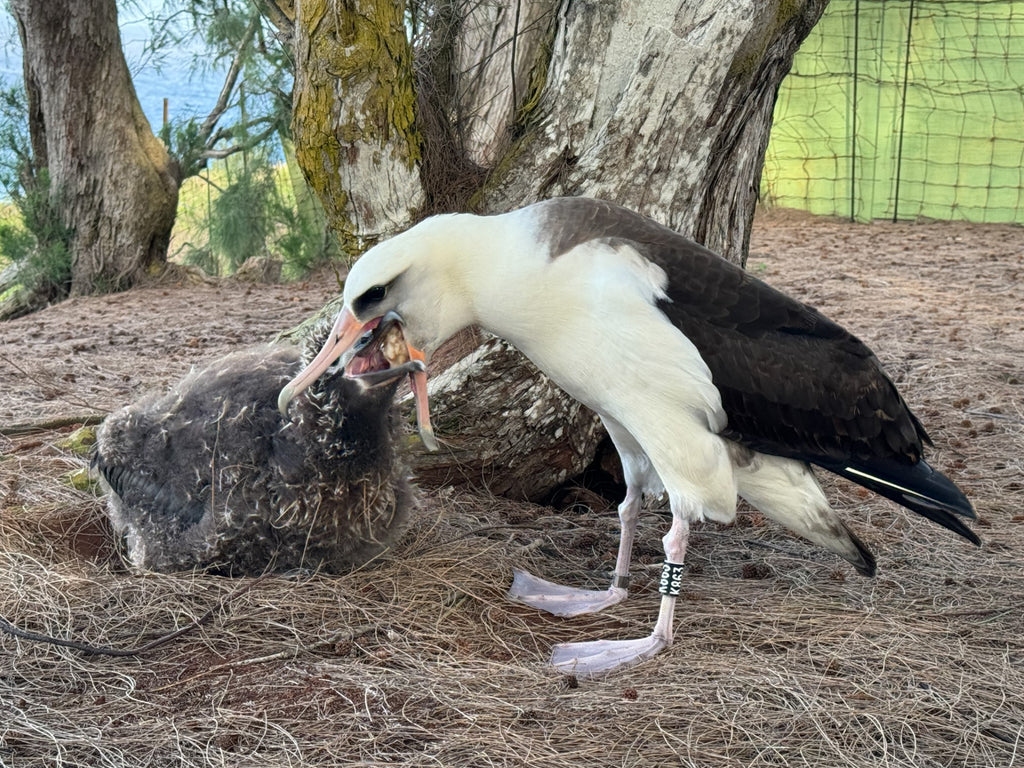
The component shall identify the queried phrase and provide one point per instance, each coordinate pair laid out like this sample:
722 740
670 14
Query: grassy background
199 213
851 139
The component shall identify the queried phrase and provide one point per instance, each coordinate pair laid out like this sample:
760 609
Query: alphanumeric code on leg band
671 578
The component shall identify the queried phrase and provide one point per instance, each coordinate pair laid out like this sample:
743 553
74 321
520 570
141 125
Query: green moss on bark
763 35
355 93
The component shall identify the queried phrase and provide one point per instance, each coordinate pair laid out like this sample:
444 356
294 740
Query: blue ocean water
190 89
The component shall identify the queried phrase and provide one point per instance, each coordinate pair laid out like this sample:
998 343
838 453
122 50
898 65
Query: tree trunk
111 181
663 106
353 116
503 426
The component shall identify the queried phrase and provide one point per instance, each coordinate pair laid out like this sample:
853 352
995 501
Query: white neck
505 273
561 312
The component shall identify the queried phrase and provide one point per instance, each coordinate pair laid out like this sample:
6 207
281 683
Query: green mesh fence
899 109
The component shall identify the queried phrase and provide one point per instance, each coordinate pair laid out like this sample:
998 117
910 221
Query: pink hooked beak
344 335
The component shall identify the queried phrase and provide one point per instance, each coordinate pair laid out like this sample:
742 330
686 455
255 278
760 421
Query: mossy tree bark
111 180
661 105
354 115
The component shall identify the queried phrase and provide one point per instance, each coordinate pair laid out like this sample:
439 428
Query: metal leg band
620 582
671 578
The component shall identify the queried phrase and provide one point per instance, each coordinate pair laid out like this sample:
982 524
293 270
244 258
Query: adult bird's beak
344 335
418 384
344 341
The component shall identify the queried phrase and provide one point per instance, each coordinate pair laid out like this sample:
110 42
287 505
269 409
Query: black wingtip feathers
917 487
865 563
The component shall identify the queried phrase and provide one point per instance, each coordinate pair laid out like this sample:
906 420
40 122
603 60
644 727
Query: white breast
589 320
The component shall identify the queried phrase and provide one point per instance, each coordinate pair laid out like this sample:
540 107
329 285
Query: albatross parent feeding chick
211 475
710 383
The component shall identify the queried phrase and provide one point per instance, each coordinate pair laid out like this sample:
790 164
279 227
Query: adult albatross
710 382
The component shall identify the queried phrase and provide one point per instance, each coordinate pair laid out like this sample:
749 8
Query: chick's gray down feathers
210 475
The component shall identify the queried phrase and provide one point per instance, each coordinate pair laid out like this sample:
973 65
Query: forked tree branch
280 14
230 80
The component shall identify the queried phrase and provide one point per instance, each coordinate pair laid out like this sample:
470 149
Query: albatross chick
211 475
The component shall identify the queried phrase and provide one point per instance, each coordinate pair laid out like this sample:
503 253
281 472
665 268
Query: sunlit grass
9 216
197 197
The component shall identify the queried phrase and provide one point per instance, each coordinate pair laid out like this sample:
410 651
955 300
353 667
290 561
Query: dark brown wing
793 382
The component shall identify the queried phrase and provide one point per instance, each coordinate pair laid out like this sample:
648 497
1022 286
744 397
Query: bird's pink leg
568 601
598 656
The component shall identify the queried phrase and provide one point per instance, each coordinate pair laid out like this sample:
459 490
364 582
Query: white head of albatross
710 382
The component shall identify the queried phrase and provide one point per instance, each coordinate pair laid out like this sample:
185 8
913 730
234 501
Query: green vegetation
235 209
31 234
247 206
235 201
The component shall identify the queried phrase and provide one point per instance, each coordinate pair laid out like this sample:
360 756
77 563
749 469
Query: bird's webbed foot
589 659
561 600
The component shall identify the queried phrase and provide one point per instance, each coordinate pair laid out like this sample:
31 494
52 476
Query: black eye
369 299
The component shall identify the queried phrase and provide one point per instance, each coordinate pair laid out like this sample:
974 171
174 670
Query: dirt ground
783 656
